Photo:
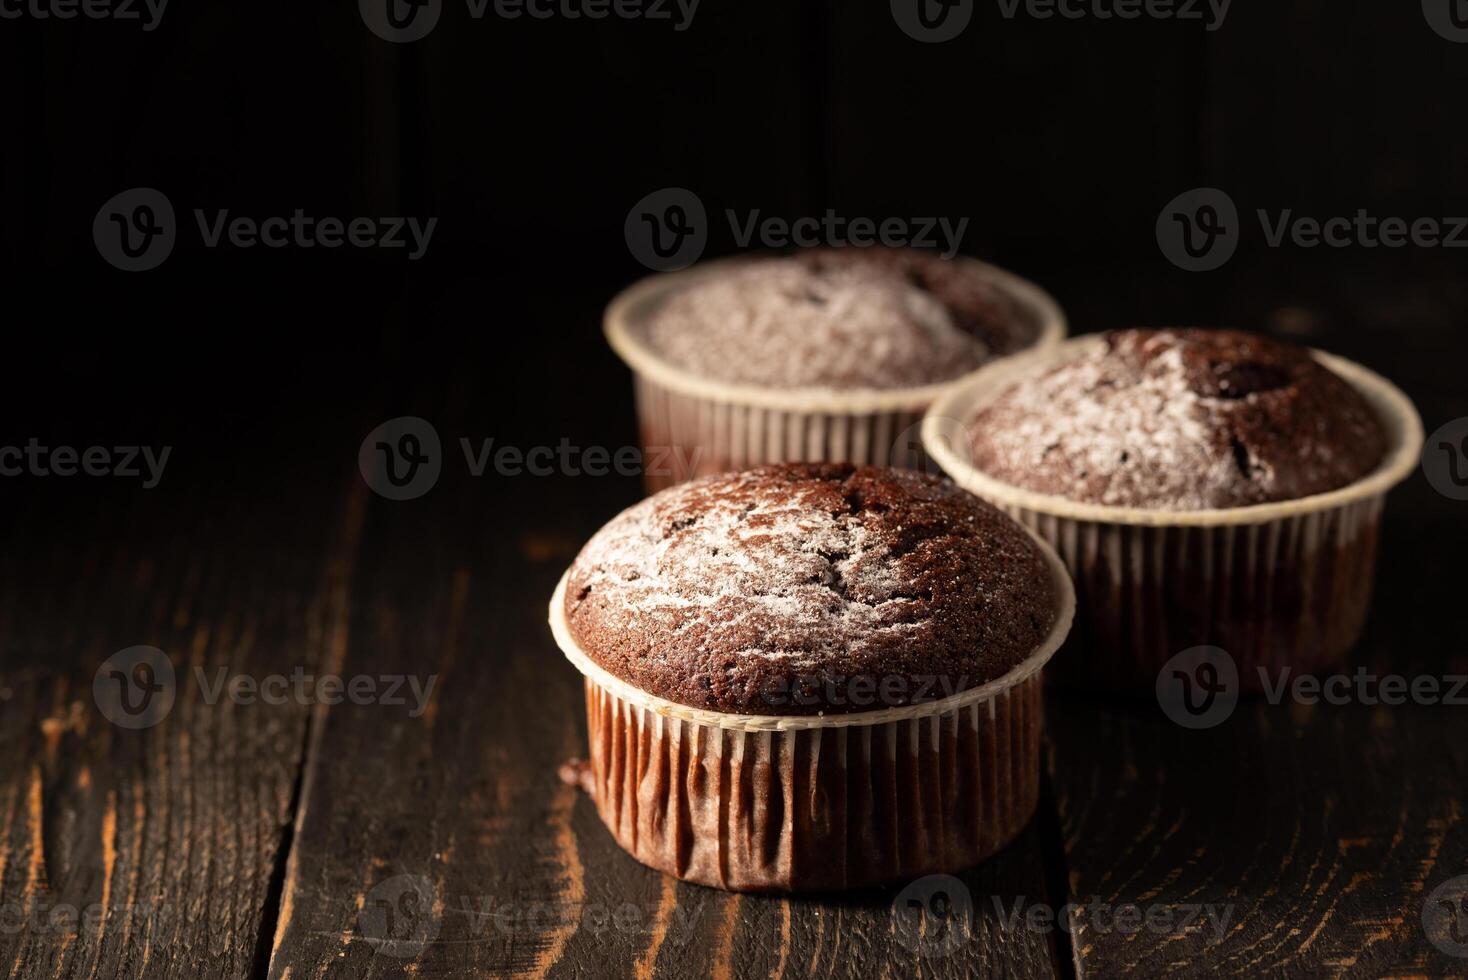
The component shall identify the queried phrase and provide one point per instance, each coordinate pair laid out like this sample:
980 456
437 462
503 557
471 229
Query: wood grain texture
1313 833
456 829
151 852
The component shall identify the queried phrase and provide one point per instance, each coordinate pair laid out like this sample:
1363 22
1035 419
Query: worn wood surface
458 824
158 851
306 840
360 840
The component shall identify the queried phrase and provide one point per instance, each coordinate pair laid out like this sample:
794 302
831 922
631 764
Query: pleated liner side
1291 592
816 808
685 436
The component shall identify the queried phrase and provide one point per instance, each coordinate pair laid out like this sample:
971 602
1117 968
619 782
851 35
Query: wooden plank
1314 833
152 852
1322 829
457 825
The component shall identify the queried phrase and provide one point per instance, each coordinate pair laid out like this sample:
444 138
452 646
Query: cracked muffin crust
1180 420
850 318
810 588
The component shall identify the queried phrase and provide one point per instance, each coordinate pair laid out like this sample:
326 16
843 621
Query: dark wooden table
302 840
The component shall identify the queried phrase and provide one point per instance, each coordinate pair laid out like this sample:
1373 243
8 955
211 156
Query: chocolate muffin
838 318
809 677
824 355
1204 489
803 589
1180 420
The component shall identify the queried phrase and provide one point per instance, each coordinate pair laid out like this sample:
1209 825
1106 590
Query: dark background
530 141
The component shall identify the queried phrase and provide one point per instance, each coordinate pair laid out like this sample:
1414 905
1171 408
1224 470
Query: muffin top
802 589
855 318
1180 420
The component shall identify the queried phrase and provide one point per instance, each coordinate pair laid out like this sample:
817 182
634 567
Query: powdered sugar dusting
1178 420
786 323
780 565
709 590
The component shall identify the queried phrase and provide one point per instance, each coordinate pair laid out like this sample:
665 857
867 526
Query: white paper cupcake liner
693 426
1275 585
789 803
